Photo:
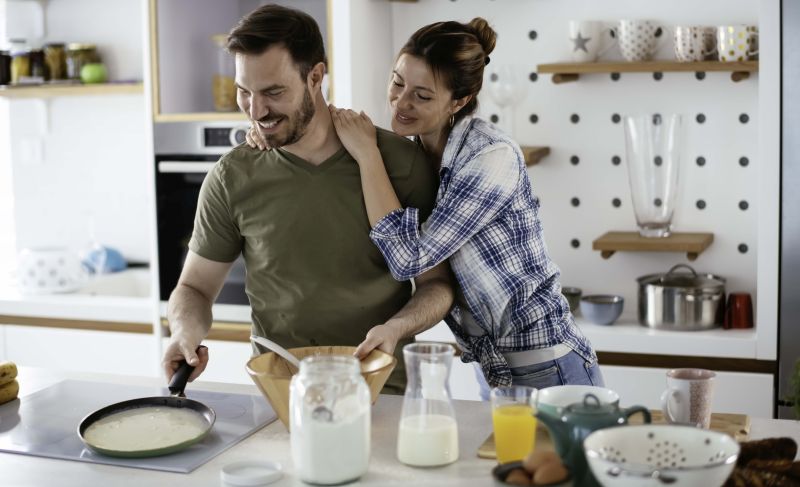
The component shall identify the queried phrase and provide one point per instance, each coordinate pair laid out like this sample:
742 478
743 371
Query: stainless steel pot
683 301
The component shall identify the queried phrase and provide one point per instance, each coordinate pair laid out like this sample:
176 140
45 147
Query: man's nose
258 108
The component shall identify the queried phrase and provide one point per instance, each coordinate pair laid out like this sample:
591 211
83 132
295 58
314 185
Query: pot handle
638 409
678 266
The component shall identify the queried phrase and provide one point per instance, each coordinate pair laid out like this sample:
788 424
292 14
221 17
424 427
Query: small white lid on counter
251 473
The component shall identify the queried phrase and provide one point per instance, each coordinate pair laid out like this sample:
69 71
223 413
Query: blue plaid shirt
486 222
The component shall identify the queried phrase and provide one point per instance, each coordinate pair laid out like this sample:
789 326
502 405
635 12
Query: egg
518 476
550 473
537 458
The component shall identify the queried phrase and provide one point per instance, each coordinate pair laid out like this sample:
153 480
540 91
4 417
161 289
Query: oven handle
185 167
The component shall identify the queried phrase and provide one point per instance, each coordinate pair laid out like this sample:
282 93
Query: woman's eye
424 98
397 84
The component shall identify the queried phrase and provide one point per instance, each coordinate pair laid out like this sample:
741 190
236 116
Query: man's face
270 91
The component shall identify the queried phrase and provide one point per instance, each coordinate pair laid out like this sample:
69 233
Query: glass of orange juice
513 420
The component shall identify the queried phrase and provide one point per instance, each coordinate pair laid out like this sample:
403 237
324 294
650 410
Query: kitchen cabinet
81 350
184 58
566 72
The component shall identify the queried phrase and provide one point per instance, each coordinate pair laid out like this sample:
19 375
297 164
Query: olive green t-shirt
314 277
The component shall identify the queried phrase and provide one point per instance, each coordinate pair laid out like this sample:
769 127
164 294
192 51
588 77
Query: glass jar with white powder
329 409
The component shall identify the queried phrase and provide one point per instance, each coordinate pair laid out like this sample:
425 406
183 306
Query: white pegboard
722 139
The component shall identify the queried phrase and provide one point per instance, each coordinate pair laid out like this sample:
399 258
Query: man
296 214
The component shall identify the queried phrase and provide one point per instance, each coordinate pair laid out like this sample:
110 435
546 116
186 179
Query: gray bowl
602 309
573 295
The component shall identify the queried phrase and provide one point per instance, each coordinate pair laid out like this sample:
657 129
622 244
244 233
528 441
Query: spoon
277 349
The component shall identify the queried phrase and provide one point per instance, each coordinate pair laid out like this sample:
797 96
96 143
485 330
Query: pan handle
178 382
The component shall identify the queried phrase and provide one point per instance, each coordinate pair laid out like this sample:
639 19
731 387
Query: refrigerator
789 304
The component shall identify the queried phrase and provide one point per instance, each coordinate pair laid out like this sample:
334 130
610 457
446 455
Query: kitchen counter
119 297
272 443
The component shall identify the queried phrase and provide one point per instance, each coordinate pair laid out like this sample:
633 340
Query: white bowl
49 270
657 455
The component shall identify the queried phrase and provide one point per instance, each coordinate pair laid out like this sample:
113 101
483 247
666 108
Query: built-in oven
185 152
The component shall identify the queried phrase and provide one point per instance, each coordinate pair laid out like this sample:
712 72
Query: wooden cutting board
735 425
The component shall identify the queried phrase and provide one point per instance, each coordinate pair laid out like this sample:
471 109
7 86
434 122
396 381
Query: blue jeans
569 369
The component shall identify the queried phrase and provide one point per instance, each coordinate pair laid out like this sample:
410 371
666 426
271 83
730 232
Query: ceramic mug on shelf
586 40
694 43
737 42
687 399
639 39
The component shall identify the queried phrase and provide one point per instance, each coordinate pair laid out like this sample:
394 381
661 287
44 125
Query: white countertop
119 297
125 297
272 443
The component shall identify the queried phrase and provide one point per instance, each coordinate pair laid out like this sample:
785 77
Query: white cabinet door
734 392
82 350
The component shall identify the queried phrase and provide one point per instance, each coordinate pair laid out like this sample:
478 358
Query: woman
510 315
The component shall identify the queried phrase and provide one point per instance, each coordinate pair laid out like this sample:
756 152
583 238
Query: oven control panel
224 136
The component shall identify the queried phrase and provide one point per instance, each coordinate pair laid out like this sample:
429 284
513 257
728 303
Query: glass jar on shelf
20 65
223 86
79 55
5 67
55 59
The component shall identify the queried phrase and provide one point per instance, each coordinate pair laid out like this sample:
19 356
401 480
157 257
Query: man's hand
382 337
357 133
184 348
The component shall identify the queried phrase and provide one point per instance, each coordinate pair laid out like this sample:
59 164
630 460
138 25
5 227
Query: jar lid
251 473
74 46
54 44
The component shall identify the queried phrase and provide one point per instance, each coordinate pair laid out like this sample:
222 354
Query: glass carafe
329 411
653 145
427 434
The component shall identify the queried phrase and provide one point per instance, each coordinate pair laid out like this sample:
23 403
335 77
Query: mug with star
586 40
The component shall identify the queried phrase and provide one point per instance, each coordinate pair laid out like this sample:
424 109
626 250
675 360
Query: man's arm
428 306
189 312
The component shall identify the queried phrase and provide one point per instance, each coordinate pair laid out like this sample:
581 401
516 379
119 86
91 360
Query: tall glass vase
653 145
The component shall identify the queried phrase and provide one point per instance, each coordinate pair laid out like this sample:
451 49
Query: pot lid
689 280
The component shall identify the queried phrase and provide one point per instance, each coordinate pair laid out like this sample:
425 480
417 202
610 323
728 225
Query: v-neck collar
313 168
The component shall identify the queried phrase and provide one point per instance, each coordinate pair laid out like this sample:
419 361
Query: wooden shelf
201 117
50 91
565 72
534 154
691 243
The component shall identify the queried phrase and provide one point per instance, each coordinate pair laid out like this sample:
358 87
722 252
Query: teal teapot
575 422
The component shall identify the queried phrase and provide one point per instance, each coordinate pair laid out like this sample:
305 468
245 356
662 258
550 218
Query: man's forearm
189 311
427 307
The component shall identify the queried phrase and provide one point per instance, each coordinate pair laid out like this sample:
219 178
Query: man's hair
272 25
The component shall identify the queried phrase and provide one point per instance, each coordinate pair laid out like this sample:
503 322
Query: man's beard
298 123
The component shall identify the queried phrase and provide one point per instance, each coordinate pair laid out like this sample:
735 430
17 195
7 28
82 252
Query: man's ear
315 76
459 103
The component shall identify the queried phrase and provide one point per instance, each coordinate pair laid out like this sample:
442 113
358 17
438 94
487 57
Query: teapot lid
591 405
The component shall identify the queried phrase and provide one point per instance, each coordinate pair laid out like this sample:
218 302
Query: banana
8 372
8 392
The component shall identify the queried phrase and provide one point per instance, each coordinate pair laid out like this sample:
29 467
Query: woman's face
421 104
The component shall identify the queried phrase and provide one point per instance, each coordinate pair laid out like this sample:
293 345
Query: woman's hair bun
486 35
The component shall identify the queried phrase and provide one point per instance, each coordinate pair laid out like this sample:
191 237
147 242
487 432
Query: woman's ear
315 76
459 103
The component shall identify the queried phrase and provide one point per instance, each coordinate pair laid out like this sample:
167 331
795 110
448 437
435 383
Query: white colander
658 455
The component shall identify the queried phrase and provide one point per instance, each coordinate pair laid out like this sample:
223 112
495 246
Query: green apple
94 73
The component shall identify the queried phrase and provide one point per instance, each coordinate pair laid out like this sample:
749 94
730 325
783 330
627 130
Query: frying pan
177 399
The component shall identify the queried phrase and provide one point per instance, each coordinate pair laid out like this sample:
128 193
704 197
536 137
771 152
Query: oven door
178 181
